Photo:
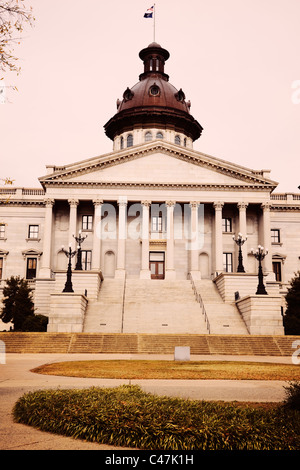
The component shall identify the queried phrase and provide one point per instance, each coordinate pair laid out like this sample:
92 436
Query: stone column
266 239
96 251
242 206
45 269
73 225
120 272
170 270
145 271
194 239
218 237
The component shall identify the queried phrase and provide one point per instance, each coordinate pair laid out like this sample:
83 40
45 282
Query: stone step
160 307
248 345
223 318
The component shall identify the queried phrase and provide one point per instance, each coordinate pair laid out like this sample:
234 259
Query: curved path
16 379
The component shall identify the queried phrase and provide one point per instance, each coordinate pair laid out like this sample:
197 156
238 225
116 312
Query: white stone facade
156 210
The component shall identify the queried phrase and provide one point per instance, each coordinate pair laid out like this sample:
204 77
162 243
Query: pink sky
235 60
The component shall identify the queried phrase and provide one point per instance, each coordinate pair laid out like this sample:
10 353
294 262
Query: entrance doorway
157 265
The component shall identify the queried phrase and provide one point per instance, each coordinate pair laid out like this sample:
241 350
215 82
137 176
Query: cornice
285 208
162 186
23 202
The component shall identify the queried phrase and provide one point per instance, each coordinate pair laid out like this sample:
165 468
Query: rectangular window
157 224
87 222
275 235
33 231
2 231
227 224
86 260
31 268
227 262
277 270
1 268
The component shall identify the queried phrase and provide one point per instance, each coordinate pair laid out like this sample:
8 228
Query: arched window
148 136
177 140
122 143
159 135
129 140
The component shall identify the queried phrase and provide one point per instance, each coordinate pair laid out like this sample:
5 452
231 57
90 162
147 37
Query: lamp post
240 242
260 254
79 240
69 254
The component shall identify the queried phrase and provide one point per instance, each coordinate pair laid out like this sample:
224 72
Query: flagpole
154 22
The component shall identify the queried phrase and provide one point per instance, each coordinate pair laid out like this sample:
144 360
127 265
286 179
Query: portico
180 229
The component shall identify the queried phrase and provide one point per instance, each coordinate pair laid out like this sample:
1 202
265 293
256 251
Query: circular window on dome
154 90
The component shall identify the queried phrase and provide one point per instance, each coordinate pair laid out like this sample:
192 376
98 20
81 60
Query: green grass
140 369
126 416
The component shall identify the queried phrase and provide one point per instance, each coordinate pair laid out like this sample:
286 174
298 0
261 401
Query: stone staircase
221 317
100 343
105 313
160 307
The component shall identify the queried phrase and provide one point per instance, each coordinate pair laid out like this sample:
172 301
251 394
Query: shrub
126 416
291 318
18 307
292 400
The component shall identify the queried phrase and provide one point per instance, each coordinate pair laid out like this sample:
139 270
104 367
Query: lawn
202 370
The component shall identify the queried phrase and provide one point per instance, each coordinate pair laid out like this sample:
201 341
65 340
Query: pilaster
45 269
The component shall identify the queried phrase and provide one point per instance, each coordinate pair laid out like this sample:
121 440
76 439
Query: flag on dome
149 13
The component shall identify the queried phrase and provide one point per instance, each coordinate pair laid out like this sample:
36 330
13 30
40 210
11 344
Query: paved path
16 379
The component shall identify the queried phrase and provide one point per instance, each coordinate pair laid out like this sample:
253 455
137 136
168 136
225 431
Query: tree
291 318
19 307
13 16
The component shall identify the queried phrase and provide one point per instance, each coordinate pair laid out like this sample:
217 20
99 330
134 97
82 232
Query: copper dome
153 101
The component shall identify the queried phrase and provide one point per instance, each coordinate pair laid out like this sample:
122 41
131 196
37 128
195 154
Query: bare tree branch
13 16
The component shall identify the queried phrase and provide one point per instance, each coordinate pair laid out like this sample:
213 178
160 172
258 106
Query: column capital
122 202
97 202
266 206
194 204
146 203
49 202
218 205
73 202
242 205
170 203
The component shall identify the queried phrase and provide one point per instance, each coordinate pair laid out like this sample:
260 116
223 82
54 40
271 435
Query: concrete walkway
16 379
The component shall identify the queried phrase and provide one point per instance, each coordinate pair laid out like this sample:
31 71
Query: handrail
200 301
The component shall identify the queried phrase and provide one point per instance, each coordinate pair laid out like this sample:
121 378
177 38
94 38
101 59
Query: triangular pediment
156 163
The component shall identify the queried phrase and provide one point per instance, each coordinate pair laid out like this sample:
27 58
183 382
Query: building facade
153 209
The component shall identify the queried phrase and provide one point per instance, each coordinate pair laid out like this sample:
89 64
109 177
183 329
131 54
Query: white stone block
182 353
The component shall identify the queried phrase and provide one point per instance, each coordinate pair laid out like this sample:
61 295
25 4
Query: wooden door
157 269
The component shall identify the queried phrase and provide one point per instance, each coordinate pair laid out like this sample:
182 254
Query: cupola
153 106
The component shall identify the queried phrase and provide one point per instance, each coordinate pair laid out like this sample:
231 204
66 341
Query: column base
120 274
170 274
145 274
44 273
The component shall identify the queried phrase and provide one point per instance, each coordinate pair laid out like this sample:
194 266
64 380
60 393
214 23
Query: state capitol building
154 229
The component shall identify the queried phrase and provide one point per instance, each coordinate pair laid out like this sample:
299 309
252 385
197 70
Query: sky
236 60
